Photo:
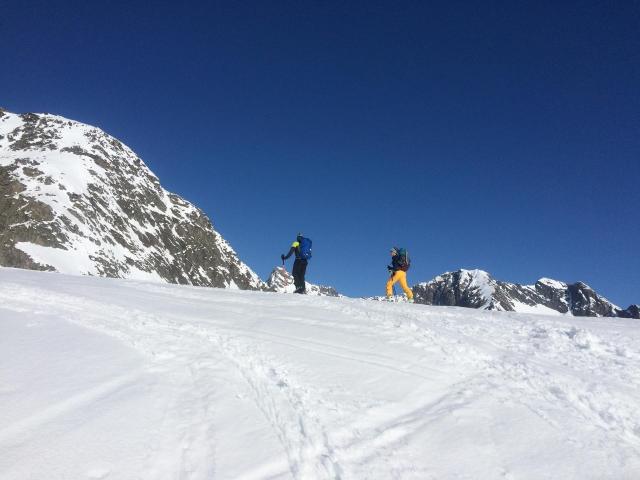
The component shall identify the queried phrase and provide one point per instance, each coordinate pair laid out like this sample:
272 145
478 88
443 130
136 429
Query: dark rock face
477 289
76 200
586 303
21 220
553 295
281 281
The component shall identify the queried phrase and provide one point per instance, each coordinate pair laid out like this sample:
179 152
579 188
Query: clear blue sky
496 135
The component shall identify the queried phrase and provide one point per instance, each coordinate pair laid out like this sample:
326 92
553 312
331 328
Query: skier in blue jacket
302 250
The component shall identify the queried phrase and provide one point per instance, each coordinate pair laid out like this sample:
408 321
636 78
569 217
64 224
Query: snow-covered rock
281 281
74 199
477 289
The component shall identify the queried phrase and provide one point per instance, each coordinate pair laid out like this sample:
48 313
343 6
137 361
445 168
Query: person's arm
291 251
293 248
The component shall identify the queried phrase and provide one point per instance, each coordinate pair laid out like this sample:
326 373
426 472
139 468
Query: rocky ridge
477 289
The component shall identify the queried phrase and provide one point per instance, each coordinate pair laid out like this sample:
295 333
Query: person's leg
298 275
303 271
392 279
403 284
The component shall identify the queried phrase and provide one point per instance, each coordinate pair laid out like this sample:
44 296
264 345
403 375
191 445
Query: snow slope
122 379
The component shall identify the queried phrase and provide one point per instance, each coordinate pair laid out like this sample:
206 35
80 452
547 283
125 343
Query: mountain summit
74 199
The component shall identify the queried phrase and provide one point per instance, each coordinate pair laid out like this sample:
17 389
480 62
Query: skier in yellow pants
398 268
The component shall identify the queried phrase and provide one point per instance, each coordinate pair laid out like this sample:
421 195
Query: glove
390 268
282 257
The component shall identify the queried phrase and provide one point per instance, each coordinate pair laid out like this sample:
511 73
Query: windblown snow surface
122 379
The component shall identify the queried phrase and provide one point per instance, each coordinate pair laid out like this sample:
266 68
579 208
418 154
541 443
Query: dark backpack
403 259
305 248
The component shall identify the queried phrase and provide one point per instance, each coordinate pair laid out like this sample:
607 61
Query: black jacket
396 265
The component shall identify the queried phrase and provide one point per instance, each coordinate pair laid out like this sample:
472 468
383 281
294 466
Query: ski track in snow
205 344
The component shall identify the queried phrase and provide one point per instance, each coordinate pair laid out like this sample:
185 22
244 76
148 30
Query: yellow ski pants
399 276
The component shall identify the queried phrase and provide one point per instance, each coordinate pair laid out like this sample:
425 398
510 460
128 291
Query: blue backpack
305 248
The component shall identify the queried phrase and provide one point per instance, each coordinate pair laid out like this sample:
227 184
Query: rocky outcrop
76 200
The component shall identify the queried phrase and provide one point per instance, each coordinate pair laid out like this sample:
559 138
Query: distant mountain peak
465 288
